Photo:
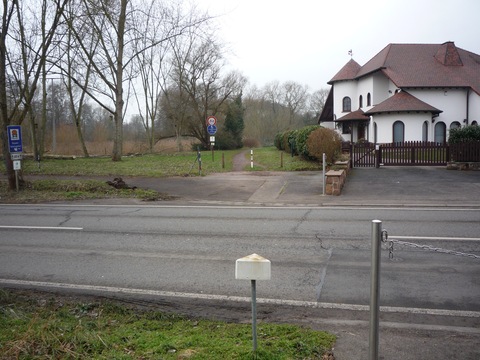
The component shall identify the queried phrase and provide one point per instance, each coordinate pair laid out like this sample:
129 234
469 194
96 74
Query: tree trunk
118 116
4 119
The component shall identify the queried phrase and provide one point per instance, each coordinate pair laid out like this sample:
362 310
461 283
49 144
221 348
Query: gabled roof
421 65
357 115
402 102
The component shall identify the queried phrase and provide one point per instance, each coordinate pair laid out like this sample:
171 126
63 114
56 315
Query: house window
455 125
425 131
398 132
369 99
440 132
346 128
474 123
360 101
347 104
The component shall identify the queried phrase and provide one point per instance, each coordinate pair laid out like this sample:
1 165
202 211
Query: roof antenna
350 52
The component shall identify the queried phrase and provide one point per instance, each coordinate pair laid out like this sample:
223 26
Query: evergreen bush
465 134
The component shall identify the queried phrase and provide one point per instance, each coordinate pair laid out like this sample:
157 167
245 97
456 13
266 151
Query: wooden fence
413 153
465 152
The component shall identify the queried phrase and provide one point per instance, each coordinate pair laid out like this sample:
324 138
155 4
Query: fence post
375 290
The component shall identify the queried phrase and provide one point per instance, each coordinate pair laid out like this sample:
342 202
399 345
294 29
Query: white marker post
251 159
253 267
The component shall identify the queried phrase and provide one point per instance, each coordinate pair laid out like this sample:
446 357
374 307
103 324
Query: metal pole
16 181
199 158
374 290
254 315
323 163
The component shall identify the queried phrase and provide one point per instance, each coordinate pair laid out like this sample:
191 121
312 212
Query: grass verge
151 165
58 328
59 190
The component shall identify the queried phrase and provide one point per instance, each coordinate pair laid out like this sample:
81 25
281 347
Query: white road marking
40 227
296 303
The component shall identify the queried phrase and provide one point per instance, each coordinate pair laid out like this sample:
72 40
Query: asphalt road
180 255
320 257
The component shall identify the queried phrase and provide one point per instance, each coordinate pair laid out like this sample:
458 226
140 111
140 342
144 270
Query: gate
363 154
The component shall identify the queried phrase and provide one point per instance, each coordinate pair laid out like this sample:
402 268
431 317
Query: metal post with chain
420 246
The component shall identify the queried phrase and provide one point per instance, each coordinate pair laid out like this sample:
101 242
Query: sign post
212 130
14 134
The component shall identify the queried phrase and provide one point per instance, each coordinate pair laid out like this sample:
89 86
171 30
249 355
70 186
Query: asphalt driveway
388 186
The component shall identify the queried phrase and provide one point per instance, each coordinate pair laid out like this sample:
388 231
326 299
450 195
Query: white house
407 92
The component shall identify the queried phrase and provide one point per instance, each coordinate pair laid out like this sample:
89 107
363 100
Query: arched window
369 99
440 132
475 123
398 132
347 104
360 101
455 125
425 131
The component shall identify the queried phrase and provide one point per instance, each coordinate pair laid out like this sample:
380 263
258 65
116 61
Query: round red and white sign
211 120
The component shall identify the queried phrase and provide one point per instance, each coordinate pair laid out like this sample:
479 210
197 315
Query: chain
423 247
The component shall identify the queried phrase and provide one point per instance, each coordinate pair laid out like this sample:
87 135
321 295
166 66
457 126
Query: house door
361 131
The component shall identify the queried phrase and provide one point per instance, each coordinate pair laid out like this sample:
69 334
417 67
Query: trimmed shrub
301 140
326 141
464 134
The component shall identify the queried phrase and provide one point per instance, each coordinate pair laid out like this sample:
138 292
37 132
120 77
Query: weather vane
350 52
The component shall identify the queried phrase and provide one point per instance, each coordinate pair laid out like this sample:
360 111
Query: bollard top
253 267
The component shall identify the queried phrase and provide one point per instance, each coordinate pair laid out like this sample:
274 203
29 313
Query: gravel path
240 161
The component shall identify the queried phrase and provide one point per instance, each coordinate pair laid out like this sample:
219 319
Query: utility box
253 267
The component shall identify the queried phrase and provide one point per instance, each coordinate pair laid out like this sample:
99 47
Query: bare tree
22 59
317 101
295 98
198 64
158 28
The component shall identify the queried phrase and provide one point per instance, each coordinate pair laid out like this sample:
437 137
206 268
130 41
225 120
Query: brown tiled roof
402 102
423 65
348 72
357 115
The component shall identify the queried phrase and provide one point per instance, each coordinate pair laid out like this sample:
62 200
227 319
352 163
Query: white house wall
342 89
452 102
474 106
380 88
413 123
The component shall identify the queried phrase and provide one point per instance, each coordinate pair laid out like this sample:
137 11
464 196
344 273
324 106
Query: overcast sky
307 41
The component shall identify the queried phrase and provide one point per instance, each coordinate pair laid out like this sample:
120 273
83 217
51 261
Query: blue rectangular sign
15 138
